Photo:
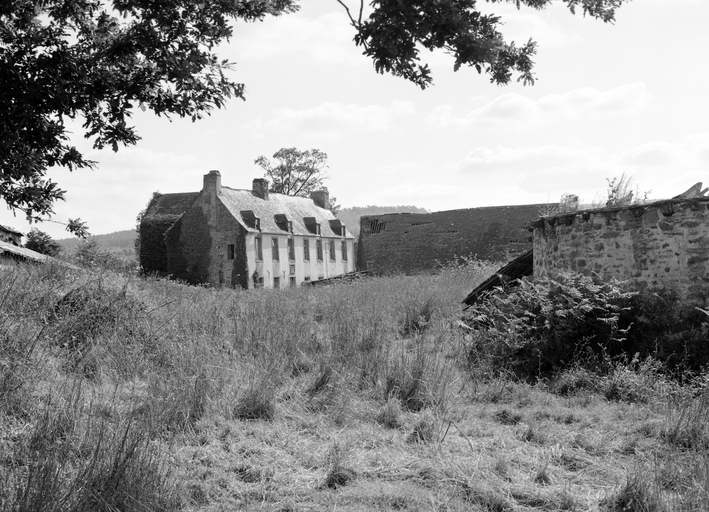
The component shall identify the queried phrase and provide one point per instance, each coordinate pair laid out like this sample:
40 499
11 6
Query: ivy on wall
153 251
240 274
188 247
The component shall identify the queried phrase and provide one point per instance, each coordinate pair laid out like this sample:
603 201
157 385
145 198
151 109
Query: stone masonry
658 245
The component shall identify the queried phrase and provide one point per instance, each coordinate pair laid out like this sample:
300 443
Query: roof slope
296 209
22 252
171 204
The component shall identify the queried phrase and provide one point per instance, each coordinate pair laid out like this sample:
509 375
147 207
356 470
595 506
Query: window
292 282
276 282
274 248
306 249
318 249
332 250
291 249
259 249
230 252
344 251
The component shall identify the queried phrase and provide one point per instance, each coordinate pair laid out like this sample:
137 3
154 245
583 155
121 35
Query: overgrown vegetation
546 325
120 393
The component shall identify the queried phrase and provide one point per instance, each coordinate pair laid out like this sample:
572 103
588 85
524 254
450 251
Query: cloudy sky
610 99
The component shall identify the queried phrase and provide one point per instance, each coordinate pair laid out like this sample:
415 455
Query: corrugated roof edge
23 252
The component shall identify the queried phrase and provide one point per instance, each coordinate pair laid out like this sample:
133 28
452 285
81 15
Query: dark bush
673 332
545 325
542 325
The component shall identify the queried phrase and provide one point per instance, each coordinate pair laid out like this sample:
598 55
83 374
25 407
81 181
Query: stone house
244 238
10 236
417 242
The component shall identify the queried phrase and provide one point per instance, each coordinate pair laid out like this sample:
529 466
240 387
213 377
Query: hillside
117 240
350 216
119 245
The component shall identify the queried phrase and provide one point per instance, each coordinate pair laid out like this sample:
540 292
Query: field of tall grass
125 393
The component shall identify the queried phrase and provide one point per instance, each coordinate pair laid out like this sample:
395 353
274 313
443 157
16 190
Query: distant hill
350 216
119 239
119 244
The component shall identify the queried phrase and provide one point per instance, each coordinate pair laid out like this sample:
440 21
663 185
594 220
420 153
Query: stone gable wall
657 245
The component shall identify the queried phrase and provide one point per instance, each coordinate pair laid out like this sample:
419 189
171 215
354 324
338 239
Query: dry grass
357 397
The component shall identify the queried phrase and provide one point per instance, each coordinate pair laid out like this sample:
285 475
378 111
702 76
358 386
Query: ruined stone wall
663 244
416 242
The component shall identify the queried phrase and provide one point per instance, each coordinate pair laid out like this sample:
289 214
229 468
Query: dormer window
312 225
251 220
337 227
283 223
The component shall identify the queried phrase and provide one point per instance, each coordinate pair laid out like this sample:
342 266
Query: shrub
542 325
546 325
670 330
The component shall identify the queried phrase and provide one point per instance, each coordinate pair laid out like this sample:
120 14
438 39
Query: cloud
329 119
650 154
674 164
512 110
662 169
521 25
326 39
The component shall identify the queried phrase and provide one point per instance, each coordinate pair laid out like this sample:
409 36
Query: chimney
260 188
321 198
212 182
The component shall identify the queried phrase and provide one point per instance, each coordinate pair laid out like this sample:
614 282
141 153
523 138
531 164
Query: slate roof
296 209
172 204
22 252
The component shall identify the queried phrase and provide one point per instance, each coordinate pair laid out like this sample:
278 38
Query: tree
295 173
395 31
97 60
41 242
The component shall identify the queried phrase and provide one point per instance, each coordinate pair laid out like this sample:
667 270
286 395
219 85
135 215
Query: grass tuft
635 495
